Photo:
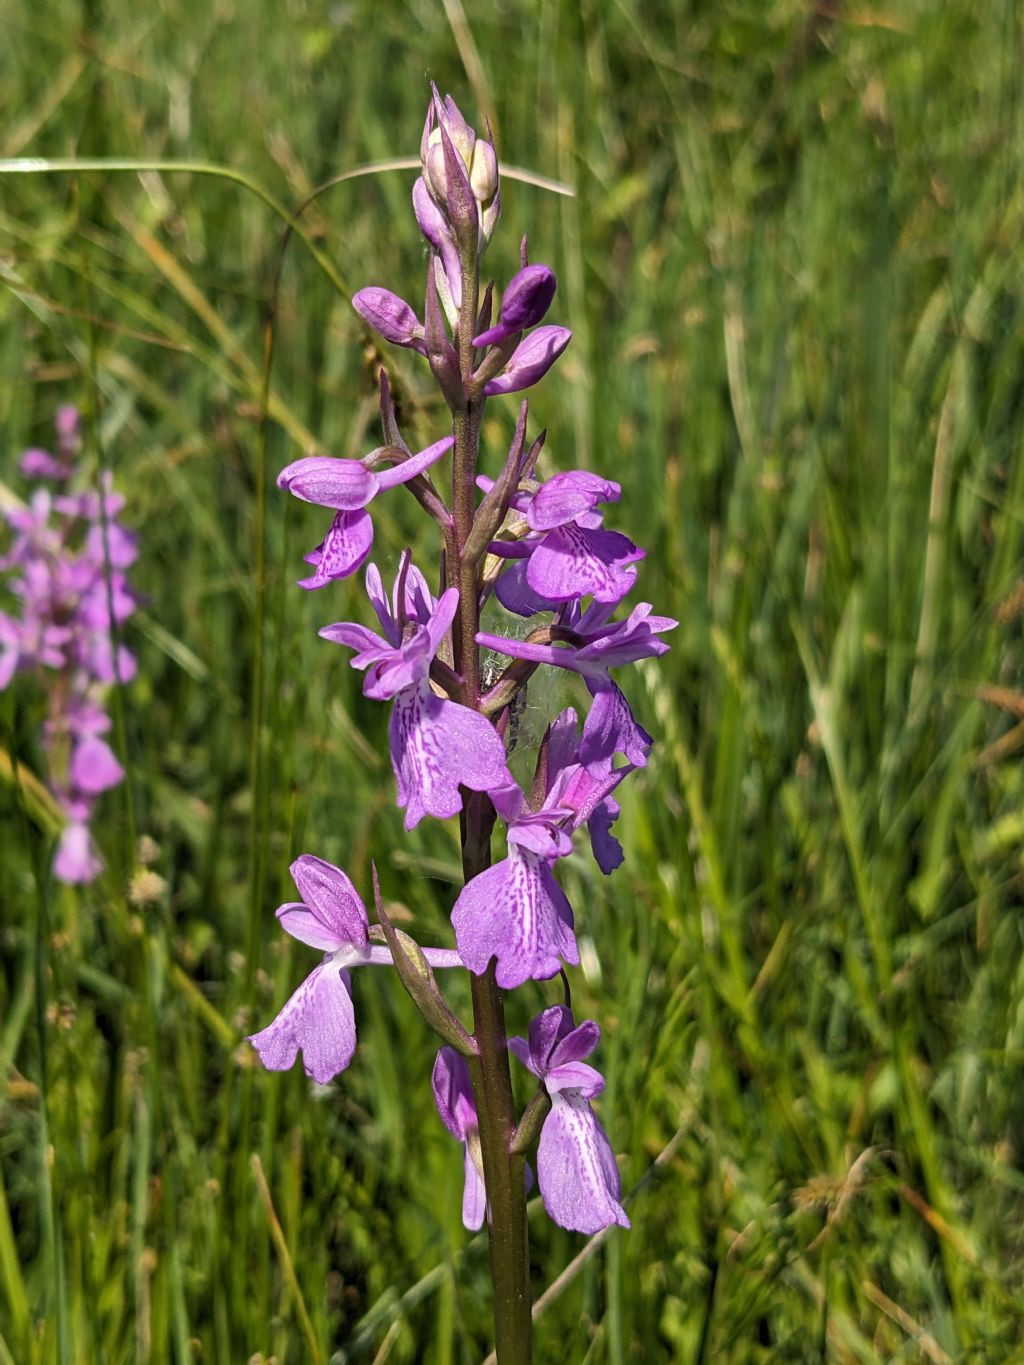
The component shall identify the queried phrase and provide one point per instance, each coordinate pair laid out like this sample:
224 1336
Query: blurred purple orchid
67 559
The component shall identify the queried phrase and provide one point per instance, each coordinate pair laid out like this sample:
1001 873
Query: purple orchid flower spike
530 361
453 1095
349 486
319 1017
515 911
610 727
391 316
68 555
523 304
436 745
576 1170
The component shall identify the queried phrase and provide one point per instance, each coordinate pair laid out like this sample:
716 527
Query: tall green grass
792 269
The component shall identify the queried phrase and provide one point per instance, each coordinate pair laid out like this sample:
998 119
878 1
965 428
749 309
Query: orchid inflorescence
538 546
67 568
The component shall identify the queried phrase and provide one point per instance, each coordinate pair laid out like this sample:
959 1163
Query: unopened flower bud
525 302
530 361
483 171
390 316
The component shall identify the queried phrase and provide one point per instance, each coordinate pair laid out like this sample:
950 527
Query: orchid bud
530 361
483 171
390 316
525 302
460 173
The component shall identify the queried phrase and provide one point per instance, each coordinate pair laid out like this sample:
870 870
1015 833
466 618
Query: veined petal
576 1170
546 1030
319 1020
541 836
605 847
329 893
530 361
453 1093
344 548
520 1049
525 301
435 746
390 315
306 926
367 644
516 912
573 1044
396 672
379 601
327 481
572 561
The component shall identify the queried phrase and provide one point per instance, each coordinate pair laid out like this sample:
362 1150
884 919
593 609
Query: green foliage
791 269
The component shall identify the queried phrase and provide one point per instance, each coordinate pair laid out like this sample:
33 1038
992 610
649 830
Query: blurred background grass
792 270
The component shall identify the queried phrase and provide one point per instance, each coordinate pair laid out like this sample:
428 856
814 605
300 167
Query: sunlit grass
791 270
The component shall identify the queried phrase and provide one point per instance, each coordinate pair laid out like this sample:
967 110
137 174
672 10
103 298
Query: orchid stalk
540 548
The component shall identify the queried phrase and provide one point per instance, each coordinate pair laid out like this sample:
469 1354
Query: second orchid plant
538 545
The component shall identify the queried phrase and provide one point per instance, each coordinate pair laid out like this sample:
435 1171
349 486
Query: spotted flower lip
515 912
436 745
576 1169
348 486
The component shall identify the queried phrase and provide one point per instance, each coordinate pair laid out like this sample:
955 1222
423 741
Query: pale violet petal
474 1195
516 912
319 1020
437 745
576 1170
329 893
